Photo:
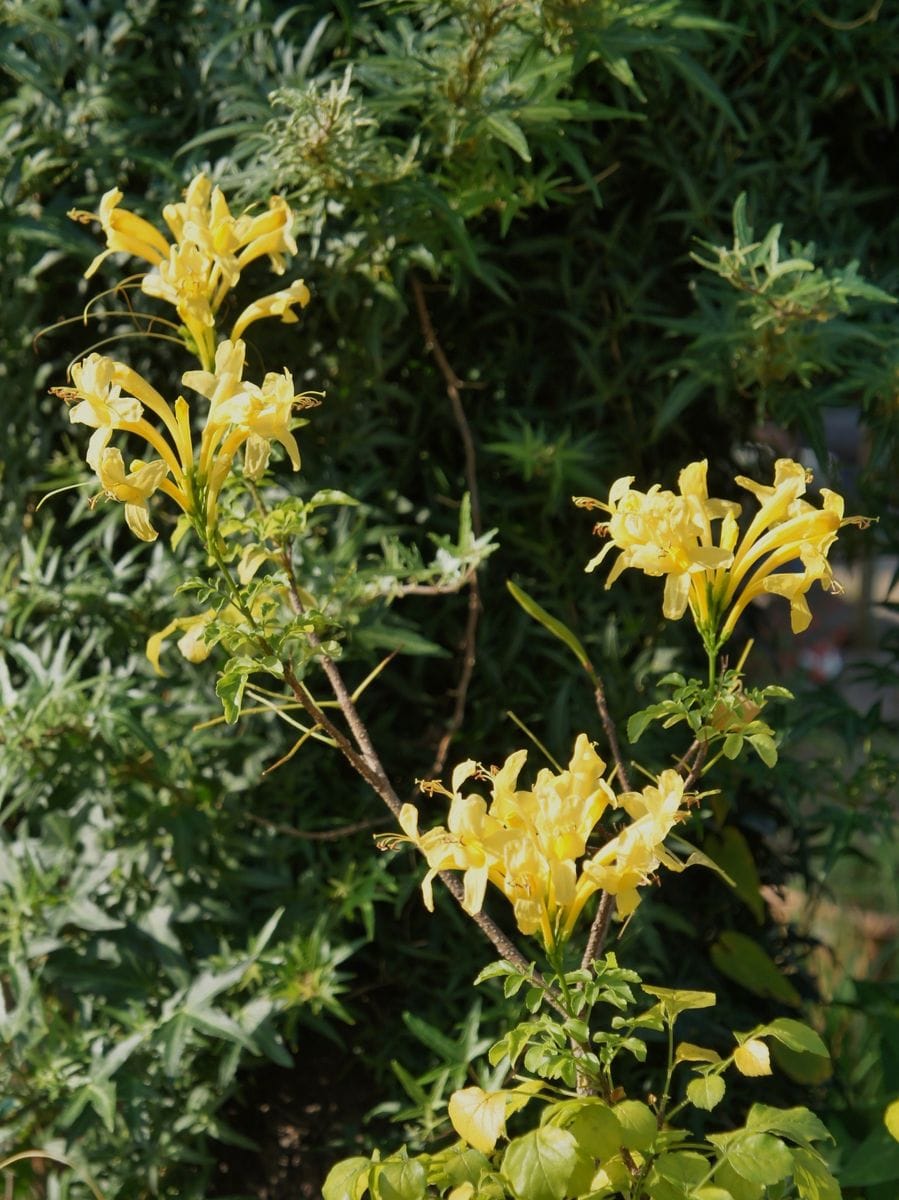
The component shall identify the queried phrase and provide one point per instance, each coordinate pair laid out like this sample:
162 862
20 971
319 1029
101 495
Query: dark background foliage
544 179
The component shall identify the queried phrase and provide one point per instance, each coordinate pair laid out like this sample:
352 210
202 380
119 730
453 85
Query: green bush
532 273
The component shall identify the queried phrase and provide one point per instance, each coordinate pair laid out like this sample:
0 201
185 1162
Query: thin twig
600 927
695 771
611 732
598 931
365 761
313 835
454 386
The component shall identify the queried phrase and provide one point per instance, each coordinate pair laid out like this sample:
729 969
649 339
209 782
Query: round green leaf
760 1158
540 1164
638 1124
596 1130
705 1091
348 1180
399 1179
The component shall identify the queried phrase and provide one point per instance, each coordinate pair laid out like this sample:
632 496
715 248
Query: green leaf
798 1124
348 1180
765 747
456 1165
759 1158
102 1096
796 1035
596 1129
229 688
874 1162
688 1052
638 1124
677 1000
682 1166
507 131
706 1091
743 960
812 1178
735 1186
396 637
731 852
555 626
399 1179
540 1164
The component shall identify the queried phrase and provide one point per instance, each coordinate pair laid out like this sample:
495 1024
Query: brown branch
611 732
454 386
598 931
702 749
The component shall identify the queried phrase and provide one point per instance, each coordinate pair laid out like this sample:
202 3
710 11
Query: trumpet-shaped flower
102 405
211 247
278 304
530 842
661 533
133 488
627 861
126 233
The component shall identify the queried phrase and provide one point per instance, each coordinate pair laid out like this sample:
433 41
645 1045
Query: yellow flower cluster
531 843
194 274
211 247
663 533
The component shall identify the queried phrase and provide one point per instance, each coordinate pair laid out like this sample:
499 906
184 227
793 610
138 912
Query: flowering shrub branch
578 845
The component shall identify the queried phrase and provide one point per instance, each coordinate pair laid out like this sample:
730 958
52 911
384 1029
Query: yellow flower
102 405
529 843
126 233
211 248
661 533
278 304
133 489
192 644
627 862
267 411
785 529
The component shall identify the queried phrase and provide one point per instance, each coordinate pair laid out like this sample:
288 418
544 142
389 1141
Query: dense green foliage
640 234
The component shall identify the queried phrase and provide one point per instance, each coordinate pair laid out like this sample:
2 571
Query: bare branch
454 387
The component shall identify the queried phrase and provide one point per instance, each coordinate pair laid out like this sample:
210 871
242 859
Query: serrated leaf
812 1178
638 1124
682 1166
540 1164
595 1128
706 1091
